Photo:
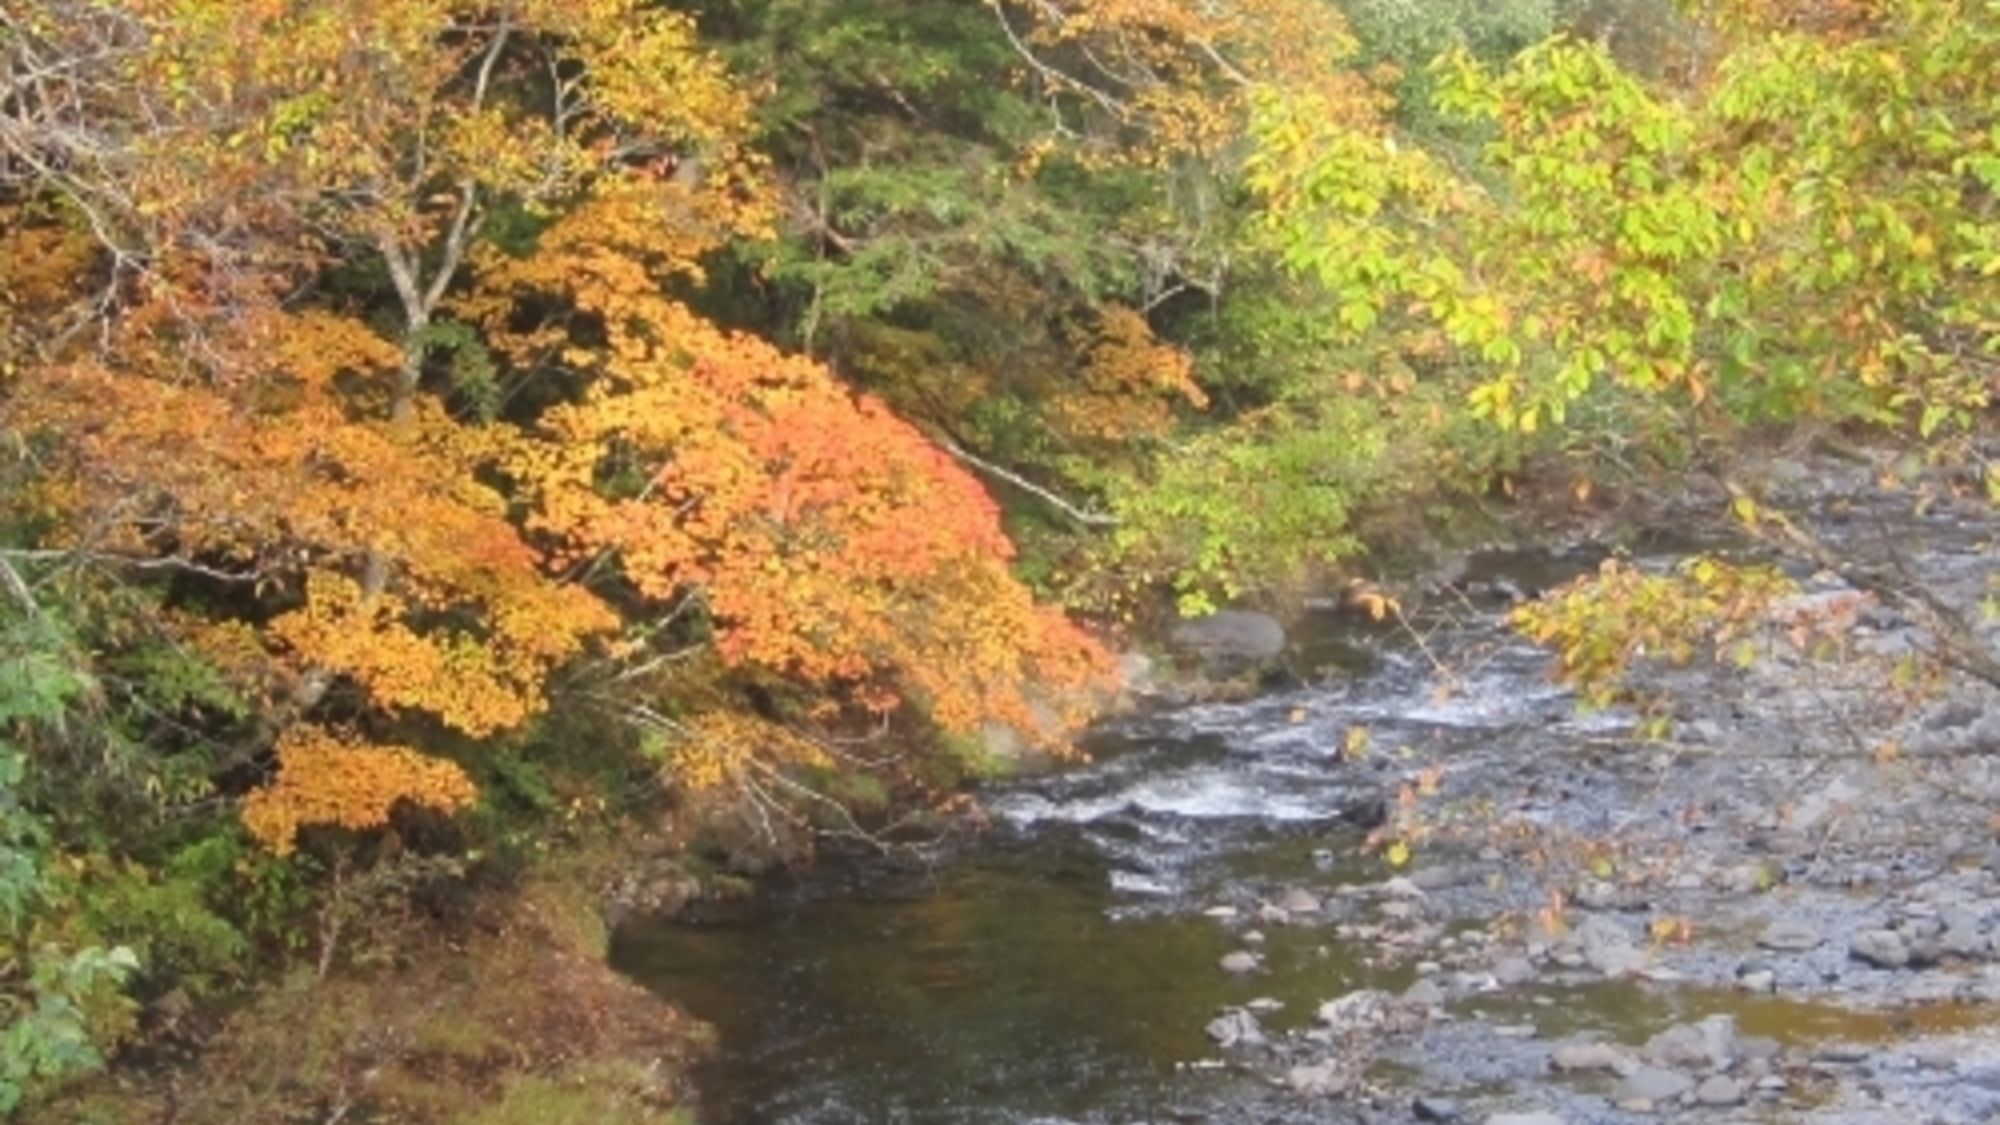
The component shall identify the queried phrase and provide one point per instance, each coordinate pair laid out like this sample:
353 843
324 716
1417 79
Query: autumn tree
377 342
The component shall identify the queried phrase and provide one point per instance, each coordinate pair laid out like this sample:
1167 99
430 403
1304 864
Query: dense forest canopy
424 420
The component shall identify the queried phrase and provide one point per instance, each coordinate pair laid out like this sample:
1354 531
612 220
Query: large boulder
1231 638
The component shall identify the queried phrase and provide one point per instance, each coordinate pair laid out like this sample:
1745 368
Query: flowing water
1063 969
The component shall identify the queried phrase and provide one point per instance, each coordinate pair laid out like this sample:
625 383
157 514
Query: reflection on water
999 990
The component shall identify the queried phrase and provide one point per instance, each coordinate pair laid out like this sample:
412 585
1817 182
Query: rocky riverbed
1786 908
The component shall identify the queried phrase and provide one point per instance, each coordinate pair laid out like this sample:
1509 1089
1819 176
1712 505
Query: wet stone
1299 901
1524 1119
1235 1028
1240 962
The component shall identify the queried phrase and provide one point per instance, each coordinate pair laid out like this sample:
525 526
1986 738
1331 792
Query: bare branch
1079 514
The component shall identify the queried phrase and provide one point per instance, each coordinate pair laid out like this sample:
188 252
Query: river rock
1240 962
1719 1090
1299 901
1654 1084
1790 935
1608 947
1758 980
1231 636
1709 1044
1512 971
1577 1058
1318 1080
1235 1028
1424 994
1884 949
1524 1119
1429 1107
1355 1010
1964 941
1403 887
1927 950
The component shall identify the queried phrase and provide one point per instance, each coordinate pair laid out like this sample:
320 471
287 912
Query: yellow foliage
715 748
1129 381
327 780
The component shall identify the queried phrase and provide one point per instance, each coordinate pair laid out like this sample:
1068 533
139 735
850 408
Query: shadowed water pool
1005 987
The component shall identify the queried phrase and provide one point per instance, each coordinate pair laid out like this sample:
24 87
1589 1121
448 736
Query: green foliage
1410 34
1795 238
66 998
1250 505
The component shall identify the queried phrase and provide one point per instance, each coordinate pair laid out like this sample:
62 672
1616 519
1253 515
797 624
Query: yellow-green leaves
1813 232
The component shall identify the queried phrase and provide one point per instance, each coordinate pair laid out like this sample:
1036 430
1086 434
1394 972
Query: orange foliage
827 538
327 780
268 474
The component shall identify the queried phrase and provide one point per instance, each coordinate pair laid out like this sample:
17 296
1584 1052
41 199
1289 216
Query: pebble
1424 993
1512 971
1524 1119
1253 937
1240 962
